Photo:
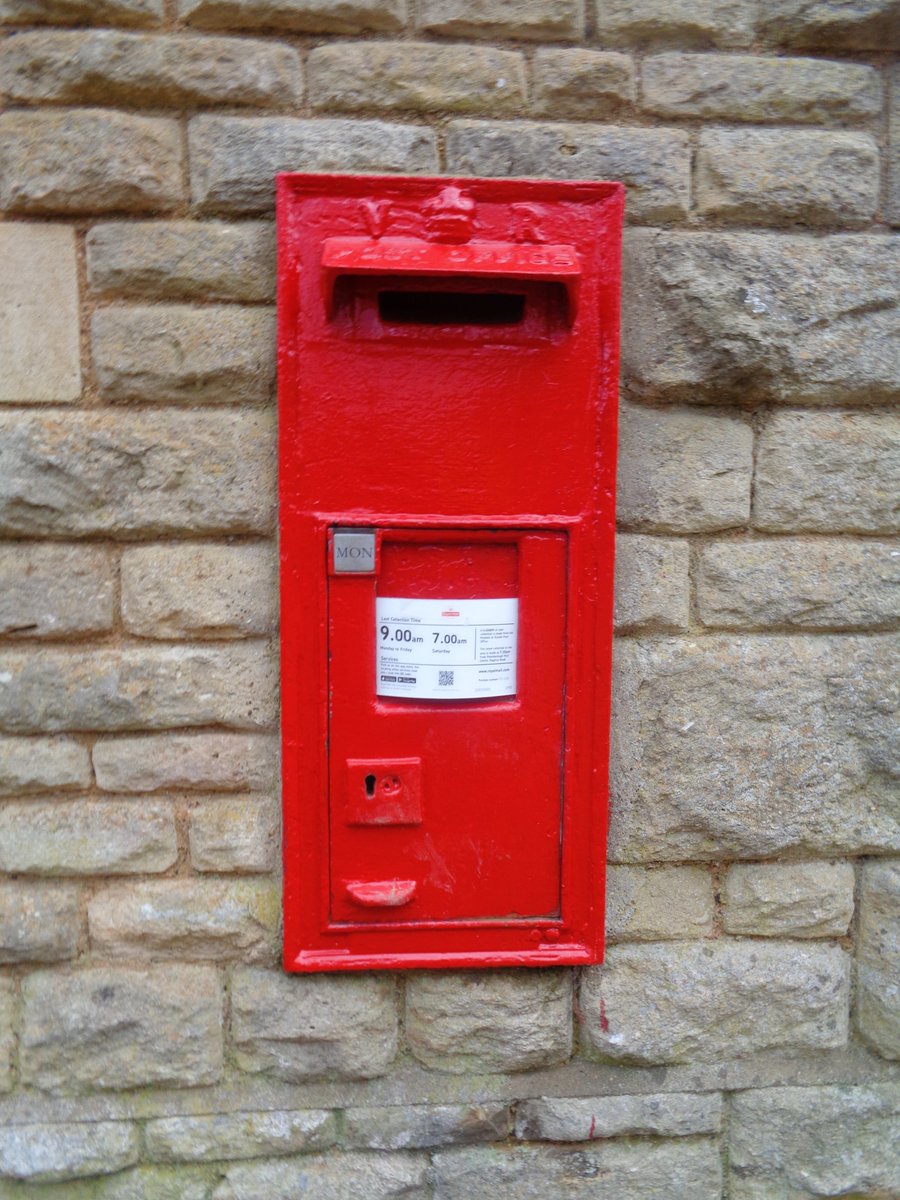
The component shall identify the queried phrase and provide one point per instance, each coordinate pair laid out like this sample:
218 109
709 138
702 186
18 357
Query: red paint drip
593 1128
604 1024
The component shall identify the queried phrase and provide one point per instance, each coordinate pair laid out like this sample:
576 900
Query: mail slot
448 372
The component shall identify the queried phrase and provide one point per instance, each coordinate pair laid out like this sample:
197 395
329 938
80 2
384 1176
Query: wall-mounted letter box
448 358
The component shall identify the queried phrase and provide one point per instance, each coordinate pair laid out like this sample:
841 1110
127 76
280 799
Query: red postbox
448 358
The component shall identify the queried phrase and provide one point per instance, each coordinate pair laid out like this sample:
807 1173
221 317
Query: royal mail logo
449 612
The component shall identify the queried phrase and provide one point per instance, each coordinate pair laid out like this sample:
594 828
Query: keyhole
370 787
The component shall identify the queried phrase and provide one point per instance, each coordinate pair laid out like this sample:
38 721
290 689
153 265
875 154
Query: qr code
445 679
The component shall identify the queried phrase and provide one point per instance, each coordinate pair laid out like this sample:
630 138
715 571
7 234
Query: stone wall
741 1039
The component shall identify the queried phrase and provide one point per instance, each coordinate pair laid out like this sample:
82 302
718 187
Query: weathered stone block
88 160
688 1002
501 1021
47 1153
121 1028
38 923
299 16
878 955
815 1141
683 470
586 84
798 899
136 473
718 747
234 160
654 164
758 316
239 834
670 1114
238 1135
55 591
808 24
7 1035
39 335
329 1177
137 1183
175 353
892 208
414 1127
660 904
197 591
183 260
137 13
87 837
43 765
532 20
299 1027
652 585
206 762
828 473
687 22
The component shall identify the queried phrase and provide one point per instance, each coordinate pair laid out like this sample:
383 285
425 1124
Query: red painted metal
448 366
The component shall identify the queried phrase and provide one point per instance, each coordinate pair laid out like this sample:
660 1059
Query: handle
381 893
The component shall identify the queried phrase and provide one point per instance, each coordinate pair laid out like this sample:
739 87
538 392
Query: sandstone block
122 1028
328 1177
48 1153
239 834
815 1141
801 899
755 88
197 591
298 1027
652 585
87 837
135 13
687 22
54 591
828 473
531 20
186 918
206 762
878 955
501 1021
659 904
683 470
129 689
238 1135
7 1035
88 160
136 473
863 25
43 765
717 747
296 16
585 84
788 177
758 316
652 163
893 203
414 1127
175 353
137 1183
234 160
183 260
671 1114
38 923
39 334
688 1002
828 583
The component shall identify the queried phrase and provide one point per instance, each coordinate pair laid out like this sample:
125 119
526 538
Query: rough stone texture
7 1036
683 470
418 76
298 1027
794 1143
753 88
234 160
137 13
586 84
38 923
533 20
828 473
654 164
652 586
46 1153
322 1177
861 25
892 208
138 1183
613 1171
136 473
158 70
238 1135
878 975
175 353
296 16
127 689
497 1021
687 22
186 919
799 584
659 904
802 899
673 1114
414 1127
198 591
39 351
87 837
688 1002
54 591
120 1028
759 316
42 765
206 762
786 740
88 160
183 260
239 834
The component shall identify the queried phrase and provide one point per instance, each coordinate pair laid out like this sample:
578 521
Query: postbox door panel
448 809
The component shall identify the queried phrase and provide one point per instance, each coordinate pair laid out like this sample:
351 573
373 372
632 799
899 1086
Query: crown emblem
450 216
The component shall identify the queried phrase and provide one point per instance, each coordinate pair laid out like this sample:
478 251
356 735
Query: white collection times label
445 649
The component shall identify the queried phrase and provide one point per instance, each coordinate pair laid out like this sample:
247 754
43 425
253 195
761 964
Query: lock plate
383 791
